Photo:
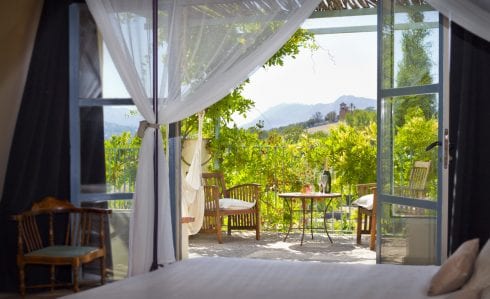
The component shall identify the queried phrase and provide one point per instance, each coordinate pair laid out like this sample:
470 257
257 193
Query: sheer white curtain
206 48
473 15
192 190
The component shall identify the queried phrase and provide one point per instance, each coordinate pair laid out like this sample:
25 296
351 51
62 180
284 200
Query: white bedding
235 278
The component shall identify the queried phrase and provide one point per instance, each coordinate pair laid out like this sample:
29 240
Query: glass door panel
408 132
409 234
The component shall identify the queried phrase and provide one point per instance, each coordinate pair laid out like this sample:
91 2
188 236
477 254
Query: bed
217 277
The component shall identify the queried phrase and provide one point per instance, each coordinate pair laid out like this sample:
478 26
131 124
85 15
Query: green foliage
360 118
409 146
414 70
284 162
121 156
351 152
300 39
331 116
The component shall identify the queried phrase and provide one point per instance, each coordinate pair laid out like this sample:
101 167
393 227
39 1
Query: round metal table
304 197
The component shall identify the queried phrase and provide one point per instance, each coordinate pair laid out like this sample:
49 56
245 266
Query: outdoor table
312 196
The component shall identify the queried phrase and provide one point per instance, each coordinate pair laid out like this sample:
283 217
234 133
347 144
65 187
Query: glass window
409 235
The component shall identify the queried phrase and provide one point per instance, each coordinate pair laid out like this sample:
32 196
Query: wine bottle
328 181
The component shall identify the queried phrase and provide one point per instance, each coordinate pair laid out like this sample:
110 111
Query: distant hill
120 119
111 129
286 114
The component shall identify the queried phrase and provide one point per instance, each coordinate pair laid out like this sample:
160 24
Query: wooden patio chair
55 233
366 218
417 184
247 218
417 188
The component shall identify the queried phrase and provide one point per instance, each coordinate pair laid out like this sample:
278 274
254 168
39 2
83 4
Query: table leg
325 219
290 205
303 206
311 217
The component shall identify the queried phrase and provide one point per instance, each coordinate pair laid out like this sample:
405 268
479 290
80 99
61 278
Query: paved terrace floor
271 246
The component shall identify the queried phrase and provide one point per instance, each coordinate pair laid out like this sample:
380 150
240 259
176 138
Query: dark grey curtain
469 196
39 162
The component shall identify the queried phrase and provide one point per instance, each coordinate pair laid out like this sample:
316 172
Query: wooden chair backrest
211 198
76 225
215 179
363 189
418 175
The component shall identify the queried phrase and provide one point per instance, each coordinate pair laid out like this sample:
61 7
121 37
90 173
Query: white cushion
365 201
235 204
481 275
485 294
456 270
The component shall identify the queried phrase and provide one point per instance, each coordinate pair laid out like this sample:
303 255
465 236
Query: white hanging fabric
473 15
192 189
205 49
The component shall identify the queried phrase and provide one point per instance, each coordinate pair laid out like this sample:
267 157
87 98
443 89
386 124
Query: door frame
442 90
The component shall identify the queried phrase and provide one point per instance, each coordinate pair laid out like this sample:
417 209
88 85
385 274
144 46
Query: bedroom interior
36 91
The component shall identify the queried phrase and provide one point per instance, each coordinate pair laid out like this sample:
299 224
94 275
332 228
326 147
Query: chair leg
257 226
229 225
372 242
102 270
359 226
75 270
22 280
52 278
218 230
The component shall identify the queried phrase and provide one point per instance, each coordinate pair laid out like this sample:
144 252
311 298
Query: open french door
410 129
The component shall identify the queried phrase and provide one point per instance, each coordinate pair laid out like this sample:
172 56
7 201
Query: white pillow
365 201
481 274
456 270
235 204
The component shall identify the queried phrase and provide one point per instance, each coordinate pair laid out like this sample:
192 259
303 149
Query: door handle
446 148
432 145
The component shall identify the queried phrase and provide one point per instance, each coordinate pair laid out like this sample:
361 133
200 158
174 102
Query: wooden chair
417 182
214 190
54 233
366 219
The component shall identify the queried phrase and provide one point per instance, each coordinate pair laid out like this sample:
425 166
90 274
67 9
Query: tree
121 160
331 116
360 118
410 143
414 70
351 153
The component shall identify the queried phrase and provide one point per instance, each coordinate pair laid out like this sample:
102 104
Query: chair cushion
62 251
235 204
456 270
365 201
481 275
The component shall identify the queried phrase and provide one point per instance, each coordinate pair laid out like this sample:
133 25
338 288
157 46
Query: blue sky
345 64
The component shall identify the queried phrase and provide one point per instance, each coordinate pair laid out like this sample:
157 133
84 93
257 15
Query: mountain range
122 119
286 114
